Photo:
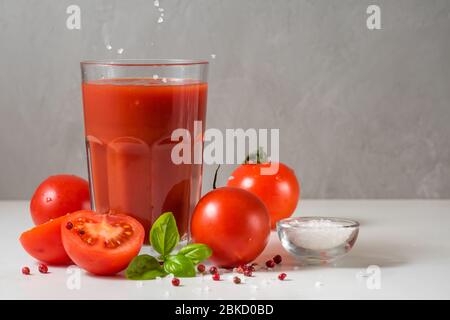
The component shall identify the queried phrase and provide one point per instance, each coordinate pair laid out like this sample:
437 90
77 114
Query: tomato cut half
44 243
102 244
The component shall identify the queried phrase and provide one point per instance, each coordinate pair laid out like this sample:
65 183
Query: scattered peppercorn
213 270
277 259
43 268
175 282
282 276
270 264
237 280
26 270
201 268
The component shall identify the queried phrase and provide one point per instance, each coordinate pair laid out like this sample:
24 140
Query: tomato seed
201 268
237 280
175 282
277 259
216 277
43 268
282 276
213 270
69 225
270 264
26 270
81 232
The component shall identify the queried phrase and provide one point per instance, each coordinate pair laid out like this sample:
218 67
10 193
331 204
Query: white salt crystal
320 234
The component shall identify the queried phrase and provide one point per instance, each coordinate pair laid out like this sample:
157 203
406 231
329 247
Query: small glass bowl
317 240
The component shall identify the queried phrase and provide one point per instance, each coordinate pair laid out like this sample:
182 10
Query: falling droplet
48 199
156 3
161 9
160 20
120 51
213 56
109 47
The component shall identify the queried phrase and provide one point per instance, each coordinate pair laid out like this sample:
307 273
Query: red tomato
102 244
43 243
57 196
279 192
234 223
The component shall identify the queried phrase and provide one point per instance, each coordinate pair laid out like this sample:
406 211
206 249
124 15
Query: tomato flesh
280 192
234 223
44 243
58 195
102 244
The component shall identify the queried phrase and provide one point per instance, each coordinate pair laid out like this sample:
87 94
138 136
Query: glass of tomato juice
131 108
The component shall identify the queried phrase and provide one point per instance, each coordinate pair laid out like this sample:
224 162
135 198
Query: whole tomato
234 223
280 192
58 195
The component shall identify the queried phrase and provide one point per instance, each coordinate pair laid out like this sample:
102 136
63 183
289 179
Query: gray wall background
363 114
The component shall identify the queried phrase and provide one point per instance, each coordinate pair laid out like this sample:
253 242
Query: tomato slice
102 244
44 243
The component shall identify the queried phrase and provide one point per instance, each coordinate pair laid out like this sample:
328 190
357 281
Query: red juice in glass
128 126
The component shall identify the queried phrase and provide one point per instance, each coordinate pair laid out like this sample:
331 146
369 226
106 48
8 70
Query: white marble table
408 240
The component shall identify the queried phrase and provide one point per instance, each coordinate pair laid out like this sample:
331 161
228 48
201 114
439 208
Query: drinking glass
131 110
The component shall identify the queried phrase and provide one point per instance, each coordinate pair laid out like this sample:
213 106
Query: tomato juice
128 127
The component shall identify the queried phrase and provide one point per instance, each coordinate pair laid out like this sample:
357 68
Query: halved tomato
44 243
102 244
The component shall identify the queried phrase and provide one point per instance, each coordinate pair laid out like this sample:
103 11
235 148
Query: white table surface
408 240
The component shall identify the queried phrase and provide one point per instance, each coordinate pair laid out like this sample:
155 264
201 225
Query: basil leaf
179 266
164 234
196 252
144 267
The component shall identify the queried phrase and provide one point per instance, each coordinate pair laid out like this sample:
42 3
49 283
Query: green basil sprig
164 237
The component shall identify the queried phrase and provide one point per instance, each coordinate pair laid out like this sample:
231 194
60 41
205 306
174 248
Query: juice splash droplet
213 56
160 20
156 3
109 47
120 51
155 76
